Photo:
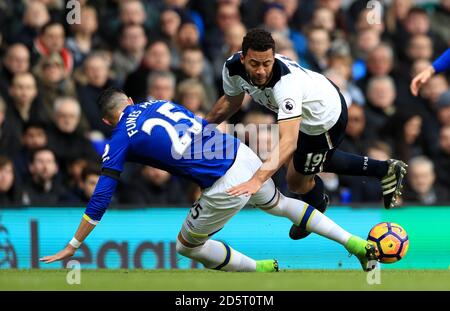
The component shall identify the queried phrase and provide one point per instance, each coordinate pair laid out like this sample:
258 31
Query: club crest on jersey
288 105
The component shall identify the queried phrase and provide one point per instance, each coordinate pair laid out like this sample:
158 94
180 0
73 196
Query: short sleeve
229 84
289 98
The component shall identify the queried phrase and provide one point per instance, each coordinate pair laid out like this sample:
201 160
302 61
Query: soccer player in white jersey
312 116
165 135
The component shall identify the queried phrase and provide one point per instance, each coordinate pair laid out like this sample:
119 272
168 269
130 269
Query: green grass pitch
206 280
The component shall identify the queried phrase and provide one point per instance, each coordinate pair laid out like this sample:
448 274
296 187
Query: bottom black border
245 300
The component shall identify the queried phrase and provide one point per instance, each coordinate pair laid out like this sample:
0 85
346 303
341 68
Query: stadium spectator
26 105
169 23
419 47
417 22
53 80
156 58
82 192
364 42
379 62
16 60
421 187
233 40
187 37
33 138
227 14
36 15
84 39
319 43
131 50
43 187
51 39
432 91
440 19
337 78
342 63
195 66
356 135
9 137
294 9
65 137
152 186
10 191
396 15
323 18
443 109
404 132
192 95
442 159
96 74
161 85
381 94
276 20
183 6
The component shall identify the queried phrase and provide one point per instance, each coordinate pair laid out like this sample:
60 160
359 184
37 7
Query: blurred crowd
52 71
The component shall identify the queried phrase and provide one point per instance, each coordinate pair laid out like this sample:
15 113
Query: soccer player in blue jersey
168 136
441 64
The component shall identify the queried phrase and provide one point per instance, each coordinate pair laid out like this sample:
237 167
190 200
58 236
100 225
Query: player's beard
260 84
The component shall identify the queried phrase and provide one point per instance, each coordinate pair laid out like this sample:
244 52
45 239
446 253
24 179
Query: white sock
214 254
300 212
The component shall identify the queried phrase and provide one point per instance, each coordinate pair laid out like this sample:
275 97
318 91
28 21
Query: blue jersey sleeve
113 159
443 62
100 199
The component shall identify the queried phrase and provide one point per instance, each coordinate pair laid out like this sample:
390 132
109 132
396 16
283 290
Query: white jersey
292 92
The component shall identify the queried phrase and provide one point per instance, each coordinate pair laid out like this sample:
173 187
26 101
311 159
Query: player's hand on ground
65 253
248 188
421 79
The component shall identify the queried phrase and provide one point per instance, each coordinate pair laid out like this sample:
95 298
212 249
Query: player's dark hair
258 40
107 101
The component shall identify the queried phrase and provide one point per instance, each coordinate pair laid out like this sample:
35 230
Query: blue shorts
314 150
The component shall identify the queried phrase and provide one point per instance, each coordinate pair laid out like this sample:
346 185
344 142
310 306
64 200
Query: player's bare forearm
277 158
279 155
224 108
84 229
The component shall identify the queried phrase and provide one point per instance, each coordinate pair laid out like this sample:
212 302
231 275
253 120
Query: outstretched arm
289 130
83 231
439 65
94 212
224 108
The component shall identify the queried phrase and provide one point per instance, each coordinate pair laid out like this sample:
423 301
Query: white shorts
215 207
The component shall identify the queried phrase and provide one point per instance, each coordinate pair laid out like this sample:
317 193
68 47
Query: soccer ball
391 241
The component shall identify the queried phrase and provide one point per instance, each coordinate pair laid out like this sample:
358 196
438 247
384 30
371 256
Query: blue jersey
443 62
167 136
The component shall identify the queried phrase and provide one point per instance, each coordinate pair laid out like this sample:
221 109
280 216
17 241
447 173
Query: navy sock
344 163
315 197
